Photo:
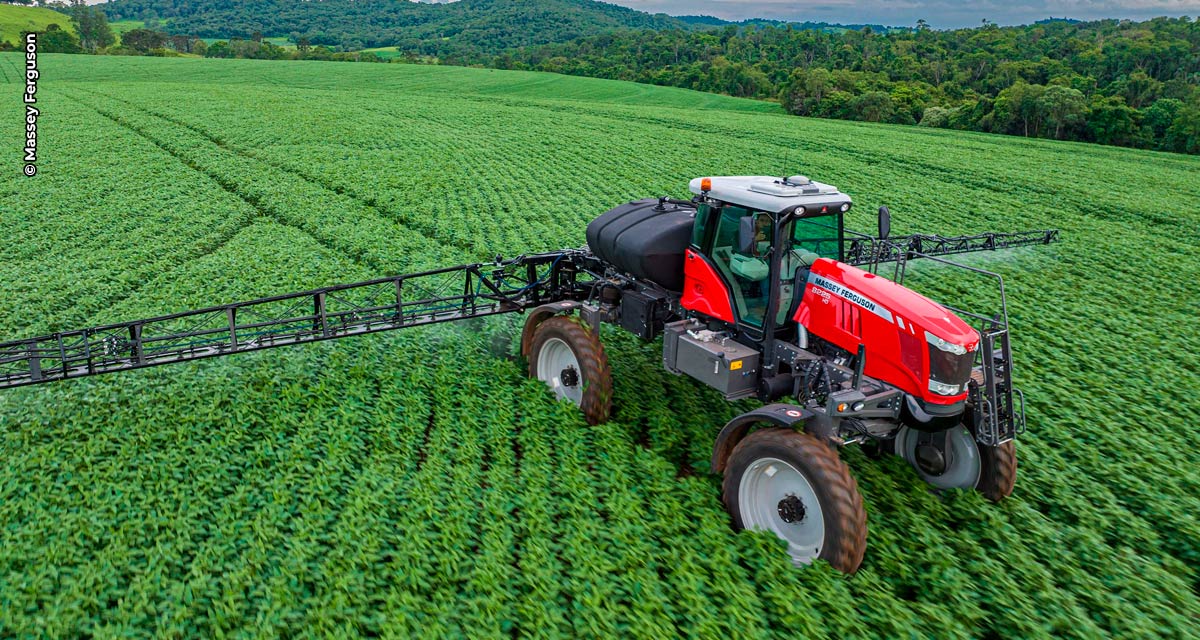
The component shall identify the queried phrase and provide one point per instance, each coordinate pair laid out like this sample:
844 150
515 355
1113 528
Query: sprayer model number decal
853 296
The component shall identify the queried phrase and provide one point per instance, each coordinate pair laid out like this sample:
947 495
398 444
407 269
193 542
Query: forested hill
1114 82
457 28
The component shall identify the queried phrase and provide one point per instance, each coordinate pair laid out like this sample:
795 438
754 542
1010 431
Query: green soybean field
418 484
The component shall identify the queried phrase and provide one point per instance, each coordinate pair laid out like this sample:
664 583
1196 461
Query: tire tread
593 363
846 522
998 476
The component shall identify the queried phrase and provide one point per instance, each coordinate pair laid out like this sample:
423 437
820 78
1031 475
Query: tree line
1112 82
1116 82
94 35
462 27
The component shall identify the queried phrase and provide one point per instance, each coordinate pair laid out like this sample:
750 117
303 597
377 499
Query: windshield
822 236
811 238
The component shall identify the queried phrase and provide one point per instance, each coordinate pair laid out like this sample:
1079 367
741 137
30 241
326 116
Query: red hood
900 301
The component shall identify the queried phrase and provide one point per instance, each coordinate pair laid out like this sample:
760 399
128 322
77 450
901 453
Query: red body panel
703 289
848 307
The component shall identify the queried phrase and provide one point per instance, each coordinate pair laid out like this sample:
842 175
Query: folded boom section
865 250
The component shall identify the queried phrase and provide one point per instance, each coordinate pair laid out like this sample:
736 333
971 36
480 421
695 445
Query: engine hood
894 302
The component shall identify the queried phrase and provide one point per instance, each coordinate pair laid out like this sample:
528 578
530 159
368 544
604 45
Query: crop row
335 220
70 252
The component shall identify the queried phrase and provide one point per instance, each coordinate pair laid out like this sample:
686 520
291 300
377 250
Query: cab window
821 236
748 272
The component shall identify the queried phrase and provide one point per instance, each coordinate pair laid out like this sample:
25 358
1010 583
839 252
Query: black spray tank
645 240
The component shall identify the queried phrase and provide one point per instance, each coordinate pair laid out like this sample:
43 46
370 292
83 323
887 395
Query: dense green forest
462 28
458 28
1113 82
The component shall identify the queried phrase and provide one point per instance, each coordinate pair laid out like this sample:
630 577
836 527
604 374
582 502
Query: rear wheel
795 486
990 470
571 361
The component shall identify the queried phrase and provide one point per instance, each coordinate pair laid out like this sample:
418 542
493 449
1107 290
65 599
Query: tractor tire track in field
197 251
358 256
264 209
16 70
216 178
368 201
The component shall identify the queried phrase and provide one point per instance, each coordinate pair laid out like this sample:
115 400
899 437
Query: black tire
841 505
996 466
998 472
594 374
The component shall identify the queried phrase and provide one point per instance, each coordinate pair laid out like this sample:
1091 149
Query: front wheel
795 486
961 463
571 361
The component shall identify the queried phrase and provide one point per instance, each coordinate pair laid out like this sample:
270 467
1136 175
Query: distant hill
464 27
14 20
711 21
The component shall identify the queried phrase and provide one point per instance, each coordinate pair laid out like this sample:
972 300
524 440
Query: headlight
948 347
943 389
845 207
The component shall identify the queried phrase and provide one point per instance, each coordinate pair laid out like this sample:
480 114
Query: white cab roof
773 194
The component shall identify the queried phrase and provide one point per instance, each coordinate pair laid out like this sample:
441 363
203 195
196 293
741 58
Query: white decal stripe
851 295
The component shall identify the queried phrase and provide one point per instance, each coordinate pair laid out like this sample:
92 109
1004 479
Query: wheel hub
930 459
558 367
946 460
773 495
790 509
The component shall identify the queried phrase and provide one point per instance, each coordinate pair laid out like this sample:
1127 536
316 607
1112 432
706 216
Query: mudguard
788 416
539 315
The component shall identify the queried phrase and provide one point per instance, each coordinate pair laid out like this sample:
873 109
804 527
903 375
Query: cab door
719 280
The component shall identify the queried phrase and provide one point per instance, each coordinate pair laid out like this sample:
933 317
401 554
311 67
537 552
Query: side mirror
746 240
885 223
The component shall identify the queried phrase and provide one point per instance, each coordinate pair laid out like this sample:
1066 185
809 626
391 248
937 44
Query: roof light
706 184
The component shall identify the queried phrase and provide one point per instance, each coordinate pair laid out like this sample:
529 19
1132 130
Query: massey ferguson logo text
853 296
31 112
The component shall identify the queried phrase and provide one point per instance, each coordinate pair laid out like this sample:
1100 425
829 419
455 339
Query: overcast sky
942 14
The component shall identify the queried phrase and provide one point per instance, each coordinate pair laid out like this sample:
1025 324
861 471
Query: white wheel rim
965 465
764 487
555 362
